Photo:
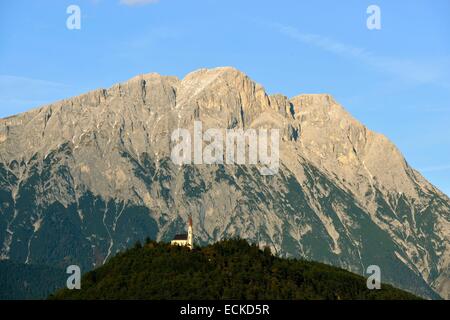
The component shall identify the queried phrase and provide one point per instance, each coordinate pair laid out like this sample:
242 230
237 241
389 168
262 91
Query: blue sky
395 80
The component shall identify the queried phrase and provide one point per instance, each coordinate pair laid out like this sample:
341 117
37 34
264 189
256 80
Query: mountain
230 269
84 178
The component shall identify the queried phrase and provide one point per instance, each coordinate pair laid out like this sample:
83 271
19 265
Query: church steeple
190 237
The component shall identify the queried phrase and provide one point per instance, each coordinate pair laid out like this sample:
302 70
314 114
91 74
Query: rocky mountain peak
95 171
223 93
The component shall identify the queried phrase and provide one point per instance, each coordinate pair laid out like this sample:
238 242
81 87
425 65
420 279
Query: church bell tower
190 237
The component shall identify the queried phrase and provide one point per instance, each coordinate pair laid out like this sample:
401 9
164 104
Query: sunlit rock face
84 178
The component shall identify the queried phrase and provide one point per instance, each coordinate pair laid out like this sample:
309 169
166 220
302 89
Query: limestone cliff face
85 177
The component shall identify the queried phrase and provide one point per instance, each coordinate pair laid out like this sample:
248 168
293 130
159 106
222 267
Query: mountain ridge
91 162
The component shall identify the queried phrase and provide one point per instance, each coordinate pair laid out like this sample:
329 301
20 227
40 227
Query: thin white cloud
138 2
19 94
436 168
150 37
25 82
406 69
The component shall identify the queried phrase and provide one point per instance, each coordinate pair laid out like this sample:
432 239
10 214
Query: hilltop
229 269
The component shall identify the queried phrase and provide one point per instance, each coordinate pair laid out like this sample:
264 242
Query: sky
395 80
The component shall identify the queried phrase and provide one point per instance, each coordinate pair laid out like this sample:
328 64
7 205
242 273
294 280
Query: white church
184 239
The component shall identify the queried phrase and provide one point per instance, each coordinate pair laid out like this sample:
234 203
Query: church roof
181 237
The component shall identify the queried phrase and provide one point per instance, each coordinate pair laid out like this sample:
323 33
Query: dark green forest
229 269
19 281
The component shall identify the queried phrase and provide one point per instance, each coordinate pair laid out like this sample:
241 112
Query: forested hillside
229 269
